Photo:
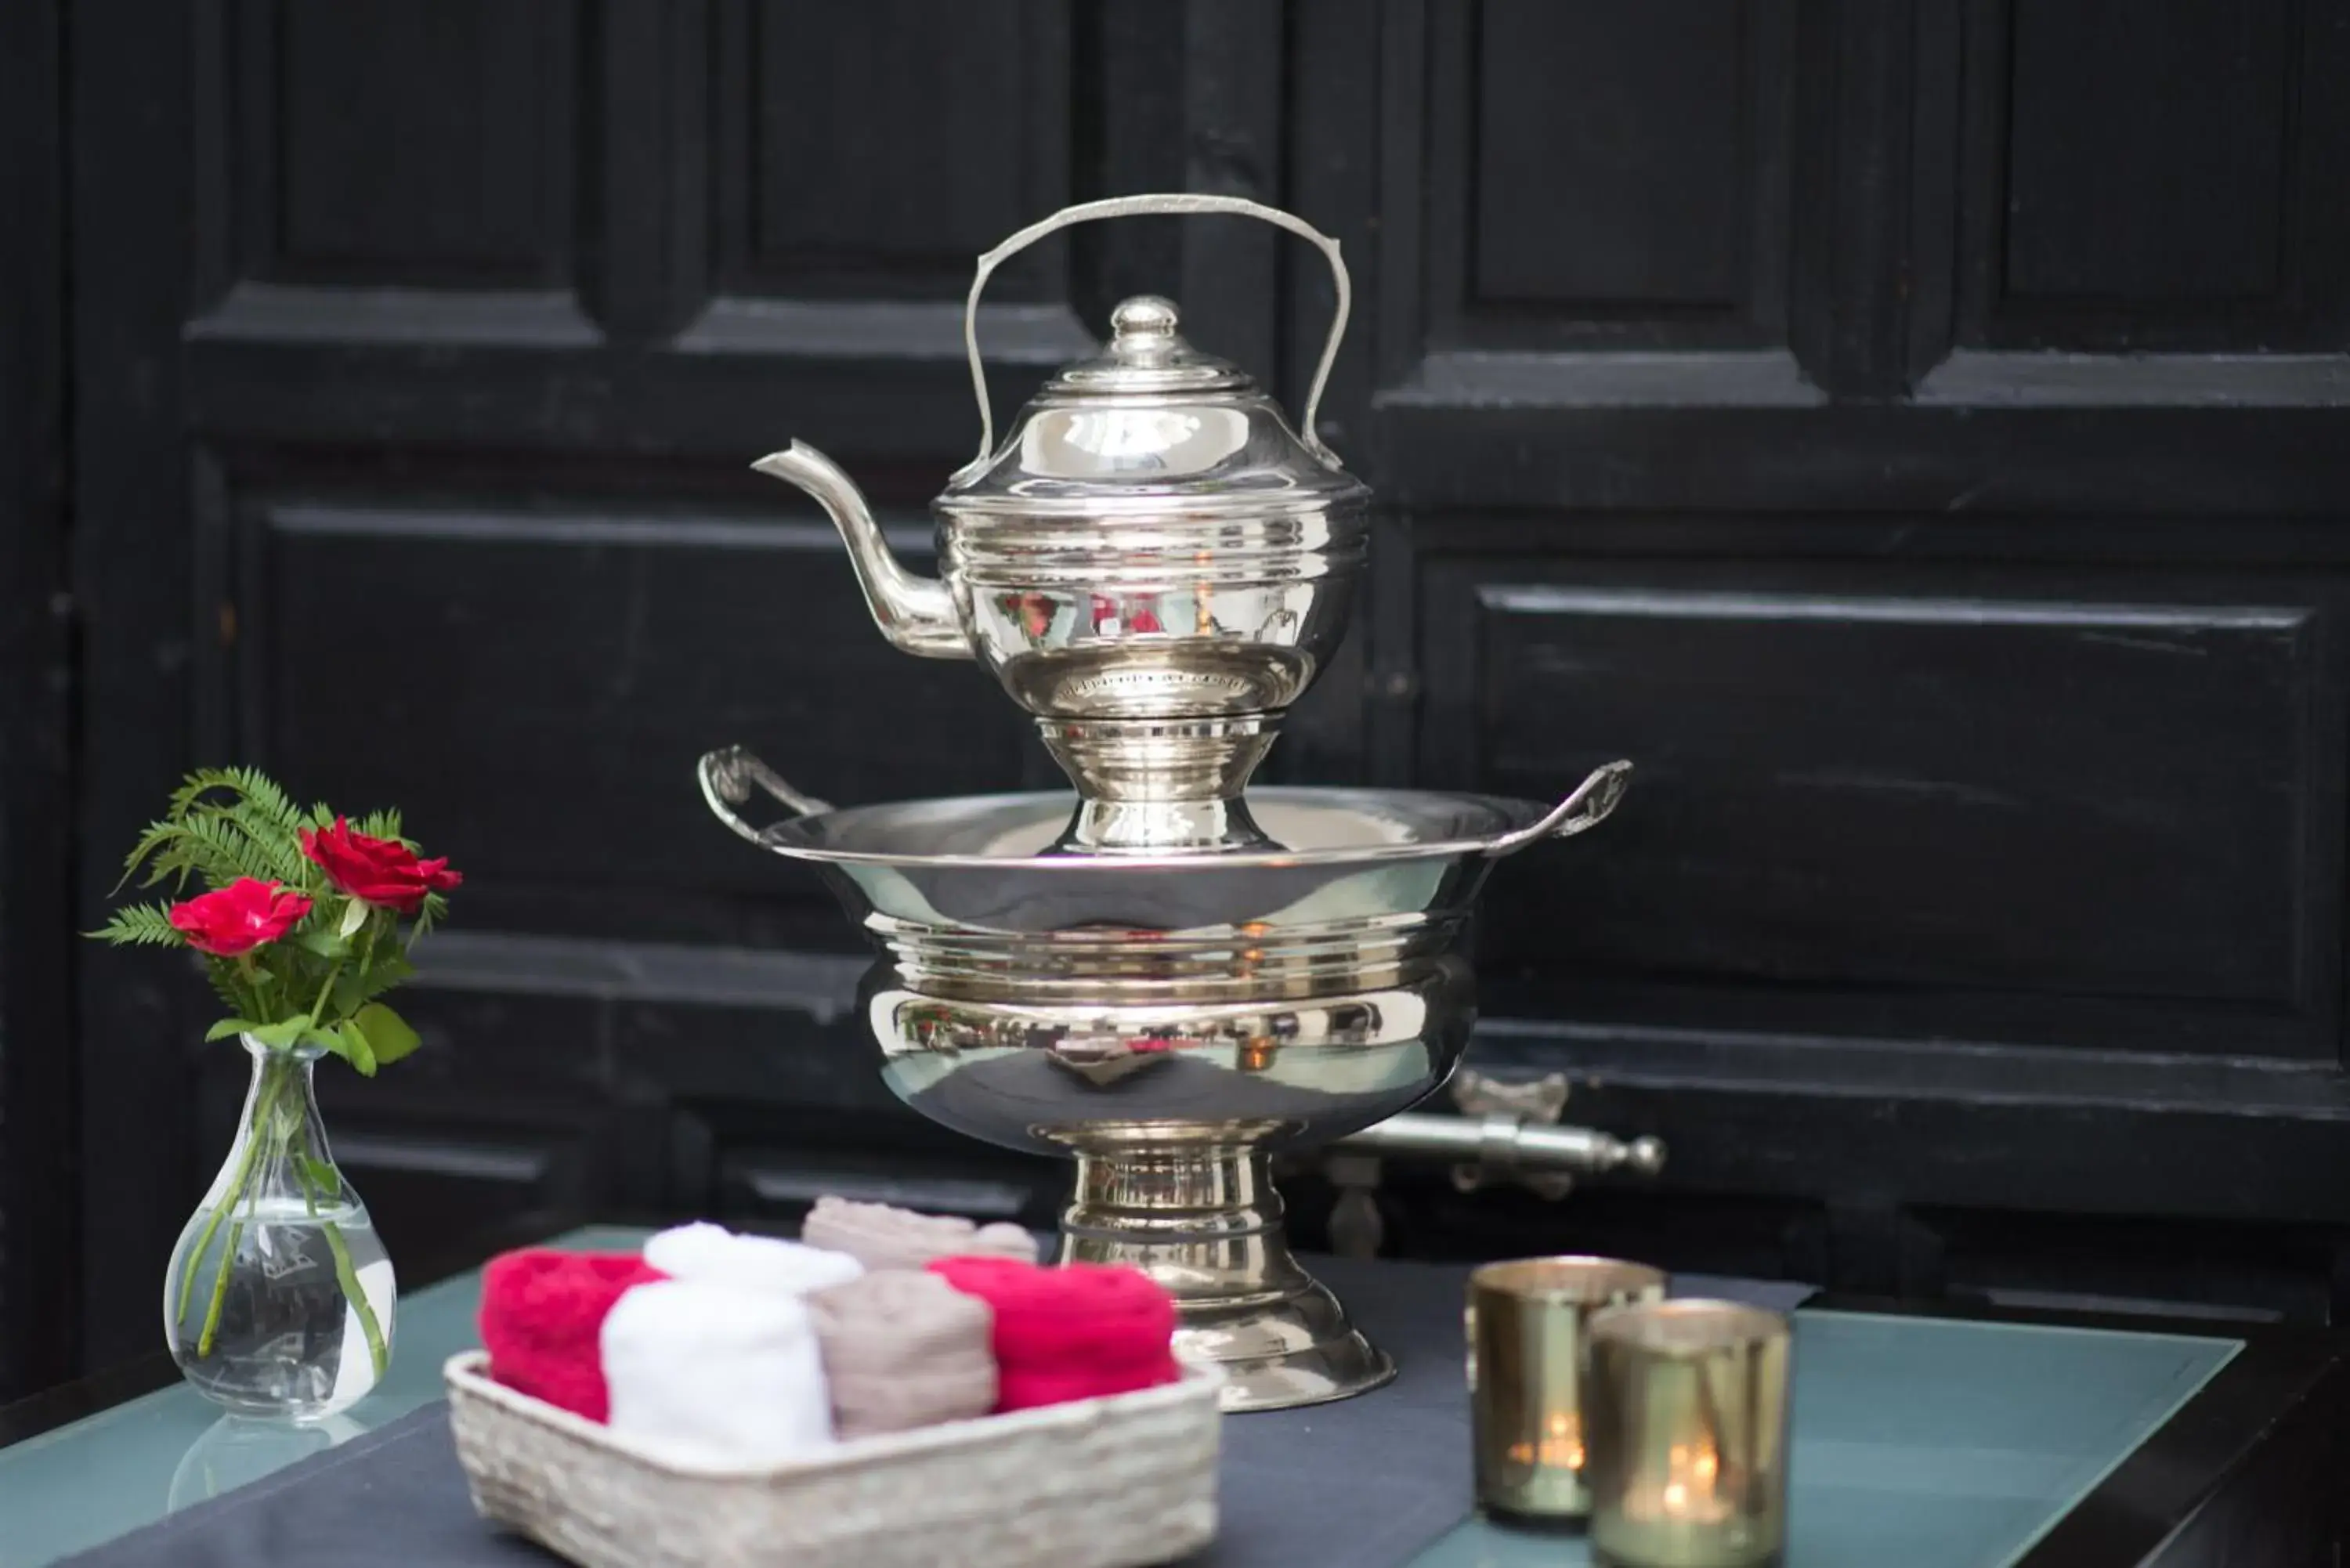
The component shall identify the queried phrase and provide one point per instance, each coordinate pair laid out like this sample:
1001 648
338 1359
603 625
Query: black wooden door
1916 433
37 1223
1909 428
422 349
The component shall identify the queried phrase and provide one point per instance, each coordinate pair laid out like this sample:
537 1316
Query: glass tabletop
83 1484
1930 1443
1925 1442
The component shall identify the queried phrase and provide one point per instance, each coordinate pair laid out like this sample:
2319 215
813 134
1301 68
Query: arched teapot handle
1587 807
1176 203
727 778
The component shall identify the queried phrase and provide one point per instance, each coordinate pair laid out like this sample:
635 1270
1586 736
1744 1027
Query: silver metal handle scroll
1178 204
1587 807
726 779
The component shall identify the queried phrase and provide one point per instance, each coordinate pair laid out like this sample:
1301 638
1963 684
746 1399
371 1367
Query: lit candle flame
1689 1489
1561 1446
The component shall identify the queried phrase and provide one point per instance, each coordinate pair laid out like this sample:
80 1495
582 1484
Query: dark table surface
2249 1467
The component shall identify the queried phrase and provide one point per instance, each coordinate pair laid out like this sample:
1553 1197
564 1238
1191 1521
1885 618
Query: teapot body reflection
1153 563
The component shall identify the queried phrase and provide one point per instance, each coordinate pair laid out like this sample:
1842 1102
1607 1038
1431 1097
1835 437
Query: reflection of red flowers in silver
238 917
1136 616
1149 1044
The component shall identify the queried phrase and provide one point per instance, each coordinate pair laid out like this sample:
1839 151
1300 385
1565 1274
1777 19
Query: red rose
239 918
376 870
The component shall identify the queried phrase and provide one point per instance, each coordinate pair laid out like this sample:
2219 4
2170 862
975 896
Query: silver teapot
1153 563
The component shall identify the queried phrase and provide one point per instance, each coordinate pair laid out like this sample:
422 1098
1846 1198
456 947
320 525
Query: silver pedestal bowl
1170 1022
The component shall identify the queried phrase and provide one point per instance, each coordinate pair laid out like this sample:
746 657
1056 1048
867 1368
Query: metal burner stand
1173 1023
1162 979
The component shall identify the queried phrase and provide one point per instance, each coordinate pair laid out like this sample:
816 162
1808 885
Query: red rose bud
380 871
239 918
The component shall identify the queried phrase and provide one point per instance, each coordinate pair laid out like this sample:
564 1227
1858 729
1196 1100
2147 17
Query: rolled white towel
716 1371
712 1252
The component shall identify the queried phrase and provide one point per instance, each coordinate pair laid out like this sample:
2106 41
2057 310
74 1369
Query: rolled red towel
1076 1332
543 1315
1026 1388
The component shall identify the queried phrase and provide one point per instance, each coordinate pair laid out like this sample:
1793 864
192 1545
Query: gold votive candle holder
1685 1415
1525 1324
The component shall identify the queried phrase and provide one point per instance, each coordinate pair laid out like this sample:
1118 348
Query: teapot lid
1147 354
1152 424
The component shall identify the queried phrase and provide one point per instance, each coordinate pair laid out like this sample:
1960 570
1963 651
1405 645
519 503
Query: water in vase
286 1338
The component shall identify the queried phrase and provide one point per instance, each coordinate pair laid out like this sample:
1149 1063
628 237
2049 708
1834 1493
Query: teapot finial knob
1145 317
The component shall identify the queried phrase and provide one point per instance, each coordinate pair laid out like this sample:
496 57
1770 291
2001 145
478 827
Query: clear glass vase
279 1299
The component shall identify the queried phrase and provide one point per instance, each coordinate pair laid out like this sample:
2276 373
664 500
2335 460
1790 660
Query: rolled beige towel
903 1349
881 1236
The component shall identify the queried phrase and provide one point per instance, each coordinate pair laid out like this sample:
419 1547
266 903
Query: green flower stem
264 1129
247 967
263 1103
196 1256
379 1355
326 990
220 1291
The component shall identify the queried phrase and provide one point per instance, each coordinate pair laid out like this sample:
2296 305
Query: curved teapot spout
917 614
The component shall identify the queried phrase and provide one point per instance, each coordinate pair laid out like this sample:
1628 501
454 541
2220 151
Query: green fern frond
428 914
140 926
223 823
281 844
183 856
277 856
156 836
219 849
251 788
355 988
381 824
224 986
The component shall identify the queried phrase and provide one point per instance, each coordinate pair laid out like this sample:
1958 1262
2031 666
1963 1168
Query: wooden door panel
423 149
2124 211
2119 189
352 173
984 93
1890 803
1622 164
1594 209
537 684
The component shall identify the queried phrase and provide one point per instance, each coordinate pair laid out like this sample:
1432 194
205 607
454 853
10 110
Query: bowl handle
1587 807
726 778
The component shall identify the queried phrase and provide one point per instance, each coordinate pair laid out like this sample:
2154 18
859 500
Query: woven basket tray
1098 1483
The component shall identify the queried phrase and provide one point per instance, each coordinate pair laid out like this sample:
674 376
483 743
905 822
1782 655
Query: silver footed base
1297 1351
1206 1224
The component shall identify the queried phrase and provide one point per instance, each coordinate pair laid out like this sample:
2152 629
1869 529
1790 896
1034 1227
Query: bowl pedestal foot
1205 1223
